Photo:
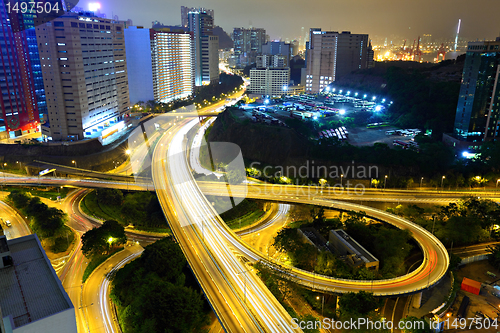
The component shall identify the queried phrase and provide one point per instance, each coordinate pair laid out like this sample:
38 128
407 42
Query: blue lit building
477 118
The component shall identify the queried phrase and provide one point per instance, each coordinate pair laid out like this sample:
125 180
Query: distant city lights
94 6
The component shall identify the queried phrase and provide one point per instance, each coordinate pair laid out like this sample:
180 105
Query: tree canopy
98 240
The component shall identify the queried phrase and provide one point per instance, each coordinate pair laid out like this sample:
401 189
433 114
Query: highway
238 297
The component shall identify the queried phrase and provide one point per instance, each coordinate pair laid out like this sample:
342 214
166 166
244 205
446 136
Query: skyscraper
478 111
185 11
331 55
172 64
159 64
85 75
22 85
205 49
248 44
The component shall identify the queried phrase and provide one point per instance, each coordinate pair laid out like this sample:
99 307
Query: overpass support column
417 300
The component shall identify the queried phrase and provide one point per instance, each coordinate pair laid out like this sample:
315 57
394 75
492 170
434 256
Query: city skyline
385 19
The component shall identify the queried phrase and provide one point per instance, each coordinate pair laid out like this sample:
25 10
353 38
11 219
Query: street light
421 179
74 162
322 303
341 177
385 181
442 181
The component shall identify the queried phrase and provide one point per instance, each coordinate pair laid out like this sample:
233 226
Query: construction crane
441 51
417 52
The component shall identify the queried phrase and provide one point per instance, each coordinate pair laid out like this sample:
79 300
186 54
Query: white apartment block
269 81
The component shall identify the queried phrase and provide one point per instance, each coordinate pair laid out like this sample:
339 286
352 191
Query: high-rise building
205 49
20 75
331 55
278 48
185 11
139 64
159 64
478 111
269 81
32 298
172 65
248 44
271 61
85 75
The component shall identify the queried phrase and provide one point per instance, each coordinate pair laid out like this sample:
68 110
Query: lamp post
421 179
341 178
442 182
74 162
128 151
385 181
322 303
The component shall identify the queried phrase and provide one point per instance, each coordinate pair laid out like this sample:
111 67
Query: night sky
284 19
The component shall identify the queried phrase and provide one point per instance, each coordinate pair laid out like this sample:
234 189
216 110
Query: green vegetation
360 305
97 260
245 213
469 221
388 244
283 287
45 192
99 240
47 222
141 209
152 293
204 96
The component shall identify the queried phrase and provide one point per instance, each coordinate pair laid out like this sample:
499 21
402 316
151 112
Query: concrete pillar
417 300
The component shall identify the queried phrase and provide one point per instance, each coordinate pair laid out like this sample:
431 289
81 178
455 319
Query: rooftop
354 246
30 289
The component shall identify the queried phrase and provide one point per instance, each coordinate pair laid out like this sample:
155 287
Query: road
95 305
239 298
19 227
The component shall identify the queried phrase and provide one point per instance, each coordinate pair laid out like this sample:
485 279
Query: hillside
268 144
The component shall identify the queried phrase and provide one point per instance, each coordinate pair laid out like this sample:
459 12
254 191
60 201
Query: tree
494 257
359 304
98 240
110 196
20 199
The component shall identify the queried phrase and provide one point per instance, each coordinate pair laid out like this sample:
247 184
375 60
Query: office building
274 61
351 251
278 48
269 81
185 14
20 76
32 298
248 44
159 64
477 119
205 49
331 55
85 75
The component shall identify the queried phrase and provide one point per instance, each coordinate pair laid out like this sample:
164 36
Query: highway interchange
214 252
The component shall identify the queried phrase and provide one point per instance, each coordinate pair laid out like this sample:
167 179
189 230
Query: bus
401 144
